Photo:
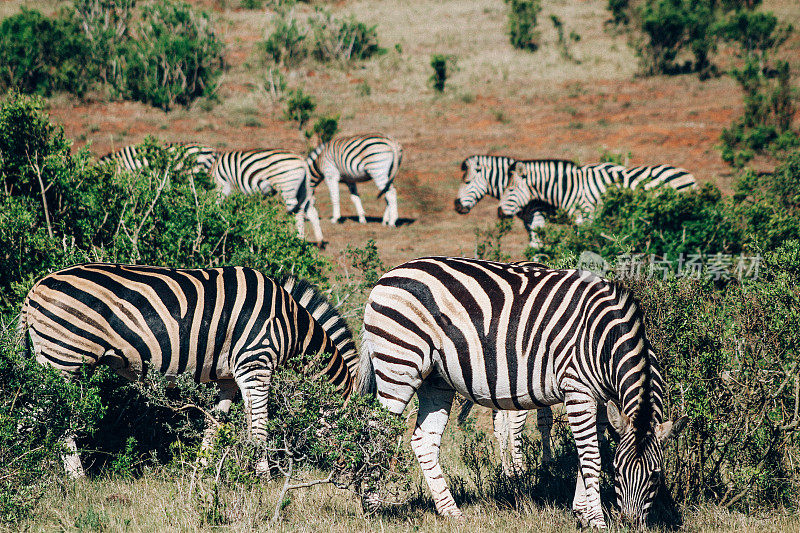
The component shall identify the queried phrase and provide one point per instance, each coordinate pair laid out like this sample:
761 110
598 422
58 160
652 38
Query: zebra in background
514 337
579 191
132 159
356 159
490 174
265 171
230 325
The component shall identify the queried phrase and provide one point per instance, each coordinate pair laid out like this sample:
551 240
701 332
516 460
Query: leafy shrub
619 11
522 22
672 27
443 66
41 55
286 44
766 124
342 39
563 42
299 107
160 215
175 58
325 128
37 409
106 24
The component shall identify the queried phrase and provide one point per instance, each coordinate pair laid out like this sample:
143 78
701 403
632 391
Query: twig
282 495
38 171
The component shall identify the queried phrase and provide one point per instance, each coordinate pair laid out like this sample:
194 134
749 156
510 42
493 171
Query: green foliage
325 128
730 358
619 11
617 158
488 243
299 107
41 55
37 409
164 54
563 42
343 39
322 36
766 124
672 27
160 215
286 44
443 66
175 58
756 33
522 22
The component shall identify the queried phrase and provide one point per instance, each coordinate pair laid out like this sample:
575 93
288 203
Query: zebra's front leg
390 214
533 222
435 399
356 199
582 415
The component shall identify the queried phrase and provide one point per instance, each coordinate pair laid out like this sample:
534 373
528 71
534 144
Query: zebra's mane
329 319
646 408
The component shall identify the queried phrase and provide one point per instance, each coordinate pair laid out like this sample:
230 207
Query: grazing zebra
489 174
130 158
513 337
231 325
265 171
356 159
579 191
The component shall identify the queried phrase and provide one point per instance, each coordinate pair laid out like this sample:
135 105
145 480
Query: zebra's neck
313 163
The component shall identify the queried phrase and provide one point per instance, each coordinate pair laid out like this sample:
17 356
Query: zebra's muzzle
502 214
460 208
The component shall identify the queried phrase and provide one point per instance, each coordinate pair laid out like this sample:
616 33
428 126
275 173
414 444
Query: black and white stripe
580 190
265 171
489 174
132 158
515 337
357 159
231 325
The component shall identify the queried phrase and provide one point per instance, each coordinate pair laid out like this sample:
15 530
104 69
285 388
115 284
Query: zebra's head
518 194
638 463
475 184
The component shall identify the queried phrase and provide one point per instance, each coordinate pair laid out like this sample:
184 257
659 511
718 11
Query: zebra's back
358 157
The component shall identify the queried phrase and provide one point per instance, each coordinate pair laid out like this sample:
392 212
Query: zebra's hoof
362 220
336 220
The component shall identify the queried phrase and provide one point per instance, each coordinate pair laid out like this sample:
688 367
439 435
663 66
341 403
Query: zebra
580 191
230 325
132 159
489 174
265 171
515 337
355 159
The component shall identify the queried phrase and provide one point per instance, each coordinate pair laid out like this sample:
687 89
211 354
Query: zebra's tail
305 294
367 384
23 340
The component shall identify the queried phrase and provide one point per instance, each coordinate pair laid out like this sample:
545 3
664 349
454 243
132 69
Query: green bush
161 215
37 409
522 22
39 55
299 107
325 128
766 124
443 66
286 44
343 39
175 58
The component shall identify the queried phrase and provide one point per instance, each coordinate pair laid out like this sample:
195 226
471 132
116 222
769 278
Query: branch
38 171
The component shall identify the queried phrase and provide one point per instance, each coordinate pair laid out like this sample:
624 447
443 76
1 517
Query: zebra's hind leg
71 458
300 224
508 427
390 214
254 385
544 421
582 415
313 217
227 392
332 182
435 399
356 199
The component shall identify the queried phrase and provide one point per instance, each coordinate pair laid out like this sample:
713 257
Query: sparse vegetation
522 22
443 66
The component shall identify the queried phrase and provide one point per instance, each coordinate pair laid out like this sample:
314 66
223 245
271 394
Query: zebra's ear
618 420
668 429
